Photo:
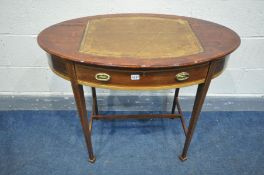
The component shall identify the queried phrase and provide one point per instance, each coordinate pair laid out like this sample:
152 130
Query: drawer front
147 79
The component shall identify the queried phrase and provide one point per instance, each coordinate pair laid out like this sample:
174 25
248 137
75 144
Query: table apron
129 79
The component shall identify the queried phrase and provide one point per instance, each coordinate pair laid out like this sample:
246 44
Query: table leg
198 103
80 103
176 94
95 107
176 103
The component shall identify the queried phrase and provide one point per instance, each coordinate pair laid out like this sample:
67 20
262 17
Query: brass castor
92 160
182 158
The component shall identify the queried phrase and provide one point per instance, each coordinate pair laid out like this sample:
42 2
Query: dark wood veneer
150 79
64 40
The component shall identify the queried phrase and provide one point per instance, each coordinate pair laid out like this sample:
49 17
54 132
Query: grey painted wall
23 65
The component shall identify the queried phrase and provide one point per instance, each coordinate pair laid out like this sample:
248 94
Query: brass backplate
102 77
182 76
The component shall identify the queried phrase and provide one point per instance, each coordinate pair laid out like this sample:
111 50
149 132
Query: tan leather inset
139 37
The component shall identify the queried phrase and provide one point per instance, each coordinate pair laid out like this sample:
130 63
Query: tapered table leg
198 103
80 103
95 107
176 103
176 94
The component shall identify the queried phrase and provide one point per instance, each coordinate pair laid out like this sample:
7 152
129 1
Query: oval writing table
138 52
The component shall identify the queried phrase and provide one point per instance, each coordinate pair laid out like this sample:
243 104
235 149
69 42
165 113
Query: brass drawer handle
102 77
182 76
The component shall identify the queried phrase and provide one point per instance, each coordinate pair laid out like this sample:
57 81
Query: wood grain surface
64 40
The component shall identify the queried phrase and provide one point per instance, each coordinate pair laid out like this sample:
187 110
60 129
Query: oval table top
138 40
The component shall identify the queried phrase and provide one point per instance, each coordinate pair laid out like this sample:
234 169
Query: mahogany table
138 52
